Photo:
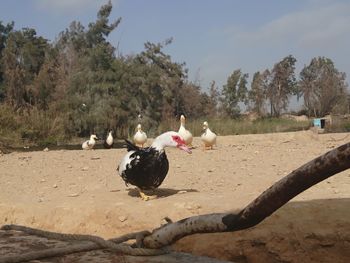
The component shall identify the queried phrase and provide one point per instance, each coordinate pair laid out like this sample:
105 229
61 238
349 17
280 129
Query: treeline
79 84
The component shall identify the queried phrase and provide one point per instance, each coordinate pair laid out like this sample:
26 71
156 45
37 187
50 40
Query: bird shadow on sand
161 192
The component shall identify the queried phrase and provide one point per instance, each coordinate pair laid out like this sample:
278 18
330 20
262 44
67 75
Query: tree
213 100
23 56
282 85
233 92
5 30
43 88
256 94
87 64
322 86
242 91
99 30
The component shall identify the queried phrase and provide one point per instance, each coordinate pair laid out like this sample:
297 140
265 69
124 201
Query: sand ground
79 191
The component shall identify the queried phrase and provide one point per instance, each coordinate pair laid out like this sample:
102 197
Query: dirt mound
312 231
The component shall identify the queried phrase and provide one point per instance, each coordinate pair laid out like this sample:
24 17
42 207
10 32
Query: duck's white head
182 119
93 137
205 125
110 132
138 127
170 139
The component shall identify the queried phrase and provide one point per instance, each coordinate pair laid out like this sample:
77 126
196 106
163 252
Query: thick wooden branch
263 206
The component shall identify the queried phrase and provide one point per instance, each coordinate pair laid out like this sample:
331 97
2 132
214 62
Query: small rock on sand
122 218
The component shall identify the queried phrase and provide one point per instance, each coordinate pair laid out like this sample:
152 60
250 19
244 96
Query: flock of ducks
140 137
147 167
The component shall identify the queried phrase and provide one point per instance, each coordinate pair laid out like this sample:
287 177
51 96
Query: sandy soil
80 192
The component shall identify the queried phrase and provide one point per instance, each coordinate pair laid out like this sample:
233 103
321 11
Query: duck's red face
180 143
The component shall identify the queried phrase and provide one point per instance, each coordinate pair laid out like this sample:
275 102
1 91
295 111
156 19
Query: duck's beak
184 148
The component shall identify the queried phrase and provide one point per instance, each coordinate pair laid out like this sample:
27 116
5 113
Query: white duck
185 134
108 143
89 144
208 137
140 136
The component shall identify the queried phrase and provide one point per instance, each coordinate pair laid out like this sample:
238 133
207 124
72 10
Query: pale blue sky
213 37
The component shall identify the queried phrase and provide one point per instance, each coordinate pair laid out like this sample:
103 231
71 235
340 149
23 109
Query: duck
186 134
146 168
108 143
140 136
89 144
208 137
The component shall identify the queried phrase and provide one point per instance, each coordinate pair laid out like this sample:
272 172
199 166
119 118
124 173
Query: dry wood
269 201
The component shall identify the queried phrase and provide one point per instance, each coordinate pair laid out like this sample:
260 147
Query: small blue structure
319 123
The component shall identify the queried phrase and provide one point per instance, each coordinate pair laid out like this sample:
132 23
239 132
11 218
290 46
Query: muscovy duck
146 168
186 134
140 136
89 144
108 143
208 137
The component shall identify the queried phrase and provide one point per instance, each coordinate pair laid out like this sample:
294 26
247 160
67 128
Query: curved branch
263 206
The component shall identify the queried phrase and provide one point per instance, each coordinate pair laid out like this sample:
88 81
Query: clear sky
213 37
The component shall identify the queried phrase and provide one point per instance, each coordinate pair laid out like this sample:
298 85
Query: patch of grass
45 128
339 124
30 128
243 126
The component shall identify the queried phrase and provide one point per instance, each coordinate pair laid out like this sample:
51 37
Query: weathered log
269 201
14 243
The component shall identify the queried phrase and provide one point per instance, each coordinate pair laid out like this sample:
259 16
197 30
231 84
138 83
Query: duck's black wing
147 168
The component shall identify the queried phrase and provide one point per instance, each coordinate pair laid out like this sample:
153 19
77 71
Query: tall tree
242 91
22 59
90 83
43 88
14 72
166 80
256 94
322 86
5 30
282 85
213 99
233 92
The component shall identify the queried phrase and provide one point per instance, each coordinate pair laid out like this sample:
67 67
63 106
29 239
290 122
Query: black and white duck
146 168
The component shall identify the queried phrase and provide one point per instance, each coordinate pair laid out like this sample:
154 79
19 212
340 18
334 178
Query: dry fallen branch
263 206
115 244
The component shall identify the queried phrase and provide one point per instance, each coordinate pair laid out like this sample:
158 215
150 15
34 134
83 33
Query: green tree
23 56
233 92
90 85
282 85
256 94
213 100
194 102
242 91
5 30
322 86
14 73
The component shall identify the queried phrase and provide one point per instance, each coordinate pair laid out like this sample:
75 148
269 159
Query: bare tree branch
263 206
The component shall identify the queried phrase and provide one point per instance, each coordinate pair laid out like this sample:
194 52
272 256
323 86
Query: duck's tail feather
130 146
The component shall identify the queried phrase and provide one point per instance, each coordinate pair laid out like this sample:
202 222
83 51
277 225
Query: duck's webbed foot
146 197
